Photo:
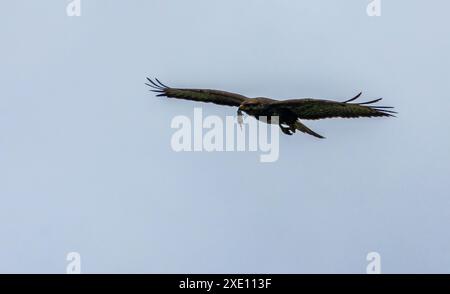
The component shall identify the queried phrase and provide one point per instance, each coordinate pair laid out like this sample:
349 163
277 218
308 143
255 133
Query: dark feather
201 95
320 109
354 98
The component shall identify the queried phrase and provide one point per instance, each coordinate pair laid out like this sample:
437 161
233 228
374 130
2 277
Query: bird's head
250 105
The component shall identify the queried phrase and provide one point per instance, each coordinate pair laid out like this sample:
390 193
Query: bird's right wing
201 95
319 109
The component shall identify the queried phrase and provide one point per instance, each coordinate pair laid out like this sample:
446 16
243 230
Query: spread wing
319 109
202 95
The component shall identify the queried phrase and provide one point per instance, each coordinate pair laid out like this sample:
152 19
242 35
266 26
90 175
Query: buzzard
289 112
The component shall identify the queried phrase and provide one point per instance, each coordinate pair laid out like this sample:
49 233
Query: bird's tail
302 128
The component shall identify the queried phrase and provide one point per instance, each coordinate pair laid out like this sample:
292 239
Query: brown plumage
289 111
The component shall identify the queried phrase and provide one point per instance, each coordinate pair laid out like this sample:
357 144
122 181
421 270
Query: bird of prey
289 112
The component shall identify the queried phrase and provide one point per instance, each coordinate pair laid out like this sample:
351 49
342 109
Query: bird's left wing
201 95
319 109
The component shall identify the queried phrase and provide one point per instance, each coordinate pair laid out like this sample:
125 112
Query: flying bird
289 112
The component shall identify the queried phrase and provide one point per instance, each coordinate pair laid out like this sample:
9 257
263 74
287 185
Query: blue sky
86 163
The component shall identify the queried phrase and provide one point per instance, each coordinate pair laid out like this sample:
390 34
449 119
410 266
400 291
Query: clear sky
86 163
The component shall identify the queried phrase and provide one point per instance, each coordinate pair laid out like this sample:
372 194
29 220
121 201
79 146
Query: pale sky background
86 163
